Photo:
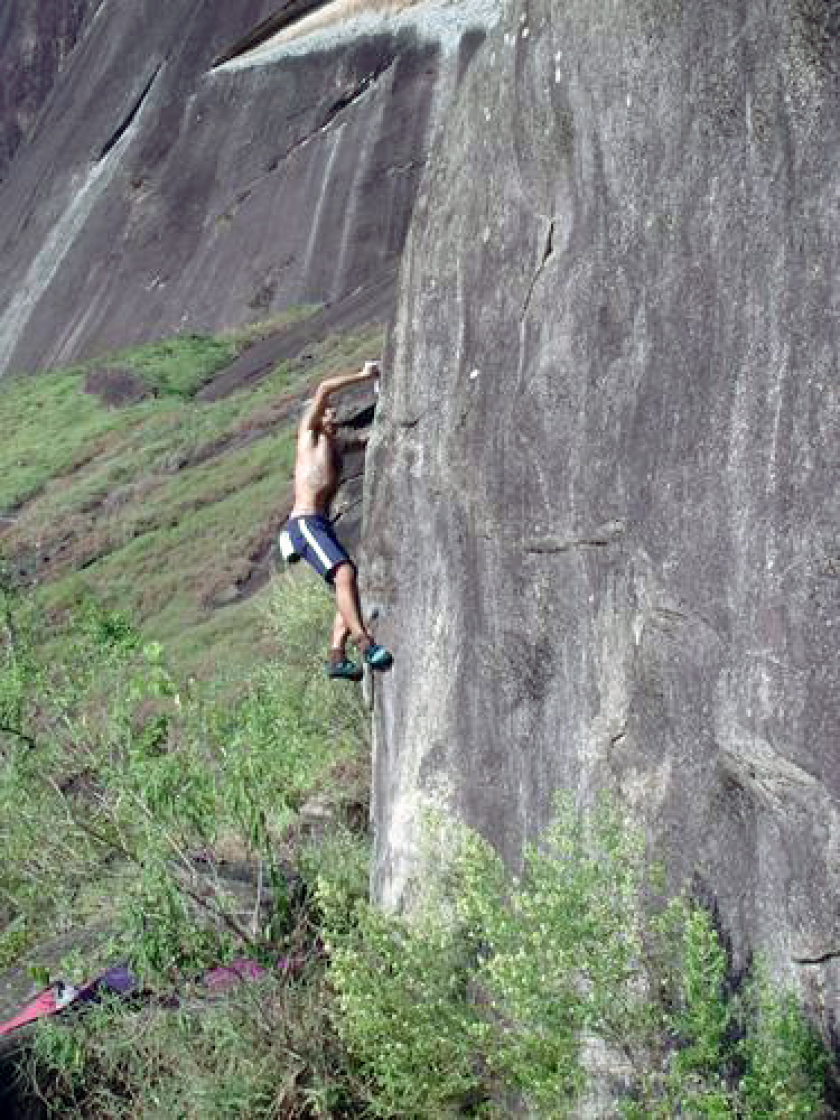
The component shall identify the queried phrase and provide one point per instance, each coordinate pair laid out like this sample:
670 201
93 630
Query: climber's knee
344 575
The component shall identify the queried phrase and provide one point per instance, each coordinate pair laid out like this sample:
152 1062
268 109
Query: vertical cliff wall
604 516
35 40
189 176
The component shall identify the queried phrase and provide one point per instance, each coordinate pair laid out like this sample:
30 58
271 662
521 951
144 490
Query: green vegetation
484 1000
267 1051
167 506
161 737
180 366
501 989
130 795
142 777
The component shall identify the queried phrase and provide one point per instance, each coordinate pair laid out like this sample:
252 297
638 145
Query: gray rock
167 190
35 41
603 511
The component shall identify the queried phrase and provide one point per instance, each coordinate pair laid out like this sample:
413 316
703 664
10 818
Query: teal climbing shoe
344 670
378 657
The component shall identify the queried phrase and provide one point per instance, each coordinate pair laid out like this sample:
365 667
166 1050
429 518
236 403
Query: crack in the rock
347 509
404 168
351 96
819 958
409 422
609 535
668 614
129 118
334 111
268 28
548 249
553 545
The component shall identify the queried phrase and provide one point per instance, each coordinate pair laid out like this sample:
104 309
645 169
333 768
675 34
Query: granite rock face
35 40
603 511
186 176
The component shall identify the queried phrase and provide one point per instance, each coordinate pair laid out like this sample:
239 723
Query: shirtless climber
309 533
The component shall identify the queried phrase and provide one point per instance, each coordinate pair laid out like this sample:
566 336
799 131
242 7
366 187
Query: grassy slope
164 506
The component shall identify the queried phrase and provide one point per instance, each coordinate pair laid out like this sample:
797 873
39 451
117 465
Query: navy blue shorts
313 538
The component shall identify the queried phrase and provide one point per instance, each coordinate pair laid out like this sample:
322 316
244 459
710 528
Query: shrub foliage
502 988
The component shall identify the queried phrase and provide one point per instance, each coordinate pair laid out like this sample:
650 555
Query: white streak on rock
84 193
326 183
85 190
442 21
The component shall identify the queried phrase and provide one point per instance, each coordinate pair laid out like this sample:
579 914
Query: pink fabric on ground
225 976
44 1004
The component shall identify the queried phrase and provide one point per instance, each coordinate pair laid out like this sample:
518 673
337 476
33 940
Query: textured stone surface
35 39
166 193
603 527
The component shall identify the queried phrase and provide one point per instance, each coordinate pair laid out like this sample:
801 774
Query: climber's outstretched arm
320 402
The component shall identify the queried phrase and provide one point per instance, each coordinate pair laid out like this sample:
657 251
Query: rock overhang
326 26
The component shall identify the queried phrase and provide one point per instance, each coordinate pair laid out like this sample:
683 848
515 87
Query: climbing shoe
378 657
344 669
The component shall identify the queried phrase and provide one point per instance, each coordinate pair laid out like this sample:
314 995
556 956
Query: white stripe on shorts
322 556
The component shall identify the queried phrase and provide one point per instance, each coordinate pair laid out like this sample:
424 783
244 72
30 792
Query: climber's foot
340 667
377 656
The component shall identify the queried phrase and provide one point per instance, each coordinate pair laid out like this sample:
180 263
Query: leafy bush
784 1059
489 994
405 1014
